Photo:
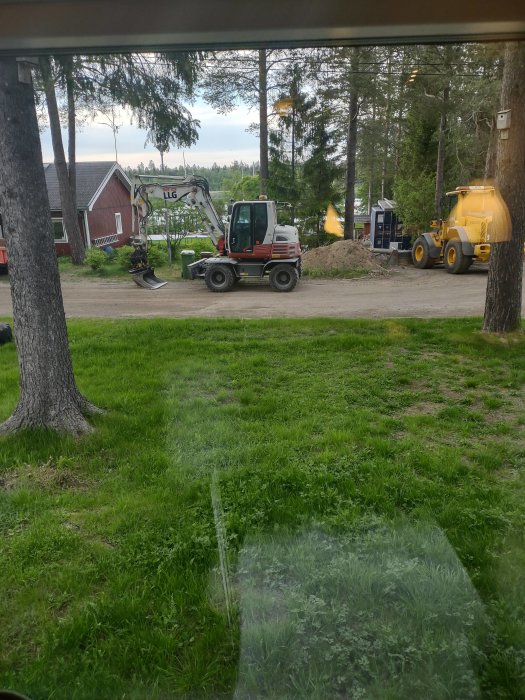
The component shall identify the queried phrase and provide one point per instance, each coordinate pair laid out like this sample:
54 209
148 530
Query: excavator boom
193 190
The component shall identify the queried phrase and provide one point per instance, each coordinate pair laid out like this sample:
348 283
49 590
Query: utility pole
166 213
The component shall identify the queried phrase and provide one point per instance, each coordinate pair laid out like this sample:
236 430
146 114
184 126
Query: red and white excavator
251 243
3 258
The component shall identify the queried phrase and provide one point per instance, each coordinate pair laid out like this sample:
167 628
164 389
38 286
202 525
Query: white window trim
64 239
118 223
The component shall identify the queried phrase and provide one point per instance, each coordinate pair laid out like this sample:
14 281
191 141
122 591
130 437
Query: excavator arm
194 191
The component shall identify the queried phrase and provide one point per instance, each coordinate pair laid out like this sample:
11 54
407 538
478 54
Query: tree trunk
440 165
372 155
71 127
69 206
48 394
503 302
263 122
351 148
492 152
386 152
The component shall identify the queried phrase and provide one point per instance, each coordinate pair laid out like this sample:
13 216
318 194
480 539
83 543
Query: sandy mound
341 256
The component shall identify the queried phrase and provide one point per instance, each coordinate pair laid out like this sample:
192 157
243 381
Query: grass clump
371 510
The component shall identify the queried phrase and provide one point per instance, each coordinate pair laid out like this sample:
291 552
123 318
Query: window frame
64 239
118 223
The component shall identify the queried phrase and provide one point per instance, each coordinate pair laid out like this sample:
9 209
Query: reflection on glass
384 612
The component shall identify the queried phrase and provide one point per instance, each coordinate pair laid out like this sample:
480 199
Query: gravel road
404 292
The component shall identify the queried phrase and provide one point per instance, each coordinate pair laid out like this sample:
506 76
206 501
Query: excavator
250 244
3 257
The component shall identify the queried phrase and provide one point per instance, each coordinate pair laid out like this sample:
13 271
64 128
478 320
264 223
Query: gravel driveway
404 292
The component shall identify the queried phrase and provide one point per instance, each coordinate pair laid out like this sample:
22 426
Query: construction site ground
402 292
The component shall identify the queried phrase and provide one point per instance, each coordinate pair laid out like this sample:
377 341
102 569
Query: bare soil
403 292
341 256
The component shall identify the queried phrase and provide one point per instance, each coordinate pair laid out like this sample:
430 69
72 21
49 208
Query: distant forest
220 177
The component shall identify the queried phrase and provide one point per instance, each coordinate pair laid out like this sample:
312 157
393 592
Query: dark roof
89 178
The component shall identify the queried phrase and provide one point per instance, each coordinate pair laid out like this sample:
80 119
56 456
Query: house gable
109 216
120 174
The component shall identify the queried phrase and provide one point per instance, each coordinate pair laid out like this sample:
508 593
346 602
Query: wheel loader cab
249 227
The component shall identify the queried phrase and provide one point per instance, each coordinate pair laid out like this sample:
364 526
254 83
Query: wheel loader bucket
146 278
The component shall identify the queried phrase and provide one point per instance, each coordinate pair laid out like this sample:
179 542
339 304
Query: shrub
157 256
123 257
95 258
196 244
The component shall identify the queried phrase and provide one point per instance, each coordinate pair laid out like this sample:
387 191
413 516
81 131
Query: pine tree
503 301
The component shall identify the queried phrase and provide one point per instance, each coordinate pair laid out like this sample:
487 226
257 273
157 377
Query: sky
222 139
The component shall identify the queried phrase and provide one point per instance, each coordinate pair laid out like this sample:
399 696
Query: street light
283 107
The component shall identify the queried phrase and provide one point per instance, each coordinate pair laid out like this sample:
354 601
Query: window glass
260 222
59 232
118 222
452 201
241 238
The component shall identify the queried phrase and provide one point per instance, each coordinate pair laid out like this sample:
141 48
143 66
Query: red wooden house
103 203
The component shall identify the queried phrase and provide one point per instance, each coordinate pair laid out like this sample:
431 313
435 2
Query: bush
123 257
95 258
157 256
198 245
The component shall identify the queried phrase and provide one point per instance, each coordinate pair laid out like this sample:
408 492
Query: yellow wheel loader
466 235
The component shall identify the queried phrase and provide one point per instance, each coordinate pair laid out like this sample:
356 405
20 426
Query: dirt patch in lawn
423 408
350 256
44 477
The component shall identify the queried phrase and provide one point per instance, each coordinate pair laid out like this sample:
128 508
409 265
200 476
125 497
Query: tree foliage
151 87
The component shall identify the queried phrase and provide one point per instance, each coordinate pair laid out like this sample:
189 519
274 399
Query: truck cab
254 234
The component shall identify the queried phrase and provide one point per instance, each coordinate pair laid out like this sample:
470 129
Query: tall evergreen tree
254 78
320 171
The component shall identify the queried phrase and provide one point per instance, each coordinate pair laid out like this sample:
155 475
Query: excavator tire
456 262
219 278
283 278
421 254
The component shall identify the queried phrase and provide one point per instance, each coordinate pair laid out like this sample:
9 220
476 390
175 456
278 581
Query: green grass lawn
367 515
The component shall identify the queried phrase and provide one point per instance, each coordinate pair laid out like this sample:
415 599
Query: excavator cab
248 227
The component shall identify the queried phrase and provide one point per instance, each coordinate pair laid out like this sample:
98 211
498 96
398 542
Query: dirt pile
340 257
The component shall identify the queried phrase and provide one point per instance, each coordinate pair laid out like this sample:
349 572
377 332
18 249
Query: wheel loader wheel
219 278
456 262
421 254
283 278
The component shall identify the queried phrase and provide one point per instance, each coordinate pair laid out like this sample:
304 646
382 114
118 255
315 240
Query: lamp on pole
285 107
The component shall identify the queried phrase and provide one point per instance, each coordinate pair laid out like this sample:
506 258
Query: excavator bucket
146 278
